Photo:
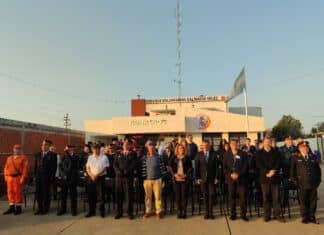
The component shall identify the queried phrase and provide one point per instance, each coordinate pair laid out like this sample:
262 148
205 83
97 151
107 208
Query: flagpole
246 112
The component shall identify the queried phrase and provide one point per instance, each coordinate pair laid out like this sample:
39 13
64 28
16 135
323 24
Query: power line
57 92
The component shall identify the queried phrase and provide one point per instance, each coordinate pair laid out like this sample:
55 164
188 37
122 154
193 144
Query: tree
314 130
318 127
287 125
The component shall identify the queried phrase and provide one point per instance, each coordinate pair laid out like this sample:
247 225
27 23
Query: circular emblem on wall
203 121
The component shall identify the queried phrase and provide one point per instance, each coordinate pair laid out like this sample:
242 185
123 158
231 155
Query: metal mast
67 121
179 63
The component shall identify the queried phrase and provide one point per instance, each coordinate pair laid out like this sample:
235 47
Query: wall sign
203 121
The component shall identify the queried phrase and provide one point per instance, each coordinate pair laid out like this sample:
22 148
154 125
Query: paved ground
27 223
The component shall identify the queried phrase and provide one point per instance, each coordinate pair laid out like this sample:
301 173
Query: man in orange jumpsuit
16 172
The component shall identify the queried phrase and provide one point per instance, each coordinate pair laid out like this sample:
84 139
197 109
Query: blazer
125 165
237 164
267 161
68 168
207 171
307 173
186 164
45 166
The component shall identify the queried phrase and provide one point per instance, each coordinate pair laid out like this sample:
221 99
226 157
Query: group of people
117 168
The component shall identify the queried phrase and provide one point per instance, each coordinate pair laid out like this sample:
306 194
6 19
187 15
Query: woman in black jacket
181 168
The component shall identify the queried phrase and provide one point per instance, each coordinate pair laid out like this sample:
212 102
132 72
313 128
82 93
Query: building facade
204 117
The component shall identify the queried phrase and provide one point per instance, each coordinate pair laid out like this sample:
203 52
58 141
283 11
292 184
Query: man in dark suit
206 163
236 169
268 163
45 169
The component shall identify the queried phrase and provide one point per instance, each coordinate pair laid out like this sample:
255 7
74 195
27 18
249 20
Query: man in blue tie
206 163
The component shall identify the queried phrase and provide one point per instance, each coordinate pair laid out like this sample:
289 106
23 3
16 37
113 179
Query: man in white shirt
96 167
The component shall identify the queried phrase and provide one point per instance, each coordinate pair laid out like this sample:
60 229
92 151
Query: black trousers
124 194
270 192
55 185
110 189
234 189
43 195
96 193
181 193
68 188
207 190
308 202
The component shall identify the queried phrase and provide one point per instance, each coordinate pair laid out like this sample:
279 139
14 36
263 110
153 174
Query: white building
205 117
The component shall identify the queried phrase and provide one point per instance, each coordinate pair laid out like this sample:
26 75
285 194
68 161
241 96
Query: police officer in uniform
236 170
45 169
68 172
306 171
124 166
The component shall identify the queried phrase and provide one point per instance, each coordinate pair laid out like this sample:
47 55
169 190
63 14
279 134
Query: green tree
287 125
318 127
314 130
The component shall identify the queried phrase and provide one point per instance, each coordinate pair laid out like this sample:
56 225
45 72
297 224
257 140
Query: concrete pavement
50 224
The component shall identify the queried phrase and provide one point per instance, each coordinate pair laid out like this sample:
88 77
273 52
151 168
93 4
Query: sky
90 58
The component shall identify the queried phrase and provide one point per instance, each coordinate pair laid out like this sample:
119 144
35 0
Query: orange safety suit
15 172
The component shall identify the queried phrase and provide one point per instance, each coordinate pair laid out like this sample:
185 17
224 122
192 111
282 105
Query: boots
10 210
18 210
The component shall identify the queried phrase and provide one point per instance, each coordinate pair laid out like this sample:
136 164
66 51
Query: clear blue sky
89 58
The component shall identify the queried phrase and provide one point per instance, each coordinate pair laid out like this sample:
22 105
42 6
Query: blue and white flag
239 85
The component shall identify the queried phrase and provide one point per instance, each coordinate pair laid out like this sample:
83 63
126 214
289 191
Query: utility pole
67 121
67 125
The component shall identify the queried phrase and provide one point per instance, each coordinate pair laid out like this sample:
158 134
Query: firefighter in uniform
305 170
15 173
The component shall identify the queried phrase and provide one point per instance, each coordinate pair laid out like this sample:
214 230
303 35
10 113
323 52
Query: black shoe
313 220
233 217
131 217
74 213
305 221
102 214
245 218
89 215
206 217
45 212
10 210
184 216
38 212
179 216
212 217
281 219
118 216
60 213
267 219
18 210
